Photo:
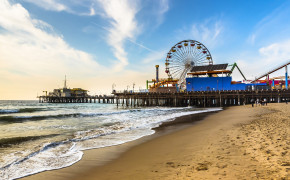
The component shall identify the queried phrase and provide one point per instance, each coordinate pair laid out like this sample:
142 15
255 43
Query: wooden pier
202 98
181 99
84 99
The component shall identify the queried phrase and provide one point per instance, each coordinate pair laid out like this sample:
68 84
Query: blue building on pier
205 78
220 84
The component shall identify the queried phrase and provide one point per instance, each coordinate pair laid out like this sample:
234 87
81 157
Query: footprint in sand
285 164
170 164
284 153
203 166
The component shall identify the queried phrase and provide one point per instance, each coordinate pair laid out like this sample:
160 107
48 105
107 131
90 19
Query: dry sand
237 143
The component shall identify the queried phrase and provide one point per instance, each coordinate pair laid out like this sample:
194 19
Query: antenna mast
65 82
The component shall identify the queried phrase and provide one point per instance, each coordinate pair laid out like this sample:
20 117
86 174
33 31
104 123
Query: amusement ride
179 61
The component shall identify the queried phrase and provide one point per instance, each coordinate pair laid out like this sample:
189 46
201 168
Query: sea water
35 137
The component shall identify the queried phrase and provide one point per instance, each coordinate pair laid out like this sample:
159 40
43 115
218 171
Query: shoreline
237 143
162 153
101 156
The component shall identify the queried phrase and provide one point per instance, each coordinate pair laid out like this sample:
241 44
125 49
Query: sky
99 44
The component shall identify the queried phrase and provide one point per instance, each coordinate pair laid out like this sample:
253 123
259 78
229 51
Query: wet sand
237 143
97 157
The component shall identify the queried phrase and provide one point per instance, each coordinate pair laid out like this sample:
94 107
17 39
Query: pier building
68 92
66 95
218 78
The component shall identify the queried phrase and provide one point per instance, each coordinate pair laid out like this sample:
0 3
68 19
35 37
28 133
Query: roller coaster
267 74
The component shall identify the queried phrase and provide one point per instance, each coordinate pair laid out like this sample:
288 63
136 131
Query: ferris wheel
183 56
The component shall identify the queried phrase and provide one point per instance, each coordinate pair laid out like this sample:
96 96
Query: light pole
133 87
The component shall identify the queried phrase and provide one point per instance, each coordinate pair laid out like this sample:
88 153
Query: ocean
37 137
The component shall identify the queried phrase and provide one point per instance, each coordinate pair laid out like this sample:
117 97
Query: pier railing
82 99
199 99
202 98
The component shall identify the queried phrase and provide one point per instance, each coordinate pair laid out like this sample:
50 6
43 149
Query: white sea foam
104 129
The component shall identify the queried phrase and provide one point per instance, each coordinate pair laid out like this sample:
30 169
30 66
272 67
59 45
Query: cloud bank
31 50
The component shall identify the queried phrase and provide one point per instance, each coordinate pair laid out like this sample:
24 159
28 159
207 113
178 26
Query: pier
201 98
179 99
82 99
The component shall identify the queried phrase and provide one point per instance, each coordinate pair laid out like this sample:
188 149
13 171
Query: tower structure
65 87
157 73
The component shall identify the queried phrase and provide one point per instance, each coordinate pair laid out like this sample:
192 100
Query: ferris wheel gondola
185 55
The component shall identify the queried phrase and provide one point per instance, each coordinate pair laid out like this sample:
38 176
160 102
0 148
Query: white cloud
162 8
252 38
92 11
31 54
271 38
272 27
28 37
276 52
121 16
269 57
208 32
81 8
52 5
123 25
35 58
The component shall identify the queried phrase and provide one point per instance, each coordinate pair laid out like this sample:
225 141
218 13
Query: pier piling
198 99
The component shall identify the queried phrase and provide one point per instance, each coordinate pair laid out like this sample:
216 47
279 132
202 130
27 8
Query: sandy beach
238 143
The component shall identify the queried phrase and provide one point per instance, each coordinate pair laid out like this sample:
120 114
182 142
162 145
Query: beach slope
238 143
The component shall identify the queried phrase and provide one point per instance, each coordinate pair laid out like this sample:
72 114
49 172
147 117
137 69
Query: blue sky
99 42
